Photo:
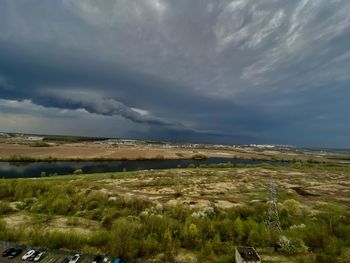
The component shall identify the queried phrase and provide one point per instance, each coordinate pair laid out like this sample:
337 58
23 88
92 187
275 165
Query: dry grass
88 151
230 187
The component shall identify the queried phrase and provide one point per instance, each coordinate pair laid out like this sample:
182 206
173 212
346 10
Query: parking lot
50 257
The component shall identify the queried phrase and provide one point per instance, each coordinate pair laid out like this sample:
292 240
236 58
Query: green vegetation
70 139
102 221
199 156
78 171
40 144
23 158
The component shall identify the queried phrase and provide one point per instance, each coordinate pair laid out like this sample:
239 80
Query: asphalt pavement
50 257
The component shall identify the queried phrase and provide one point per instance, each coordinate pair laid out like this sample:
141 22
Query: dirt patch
225 204
228 187
303 192
16 220
83 226
58 223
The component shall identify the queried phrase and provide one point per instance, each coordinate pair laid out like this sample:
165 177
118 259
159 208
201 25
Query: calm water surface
34 169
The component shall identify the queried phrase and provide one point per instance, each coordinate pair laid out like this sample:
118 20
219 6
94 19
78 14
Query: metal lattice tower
273 218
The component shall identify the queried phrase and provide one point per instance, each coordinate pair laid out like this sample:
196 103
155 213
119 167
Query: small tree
207 253
170 247
238 229
191 235
123 242
292 245
78 171
293 207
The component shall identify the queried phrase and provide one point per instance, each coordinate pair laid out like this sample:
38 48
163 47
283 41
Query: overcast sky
242 71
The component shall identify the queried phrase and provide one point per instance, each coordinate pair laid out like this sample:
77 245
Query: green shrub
61 205
78 171
57 239
7 189
5 208
99 239
29 189
40 144
124 240
199 156
3 231
191 165
190 235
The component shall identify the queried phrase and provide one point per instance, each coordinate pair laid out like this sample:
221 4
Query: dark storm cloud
94 103
228 71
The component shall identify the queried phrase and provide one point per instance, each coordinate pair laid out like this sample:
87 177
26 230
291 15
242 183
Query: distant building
34 138
247 255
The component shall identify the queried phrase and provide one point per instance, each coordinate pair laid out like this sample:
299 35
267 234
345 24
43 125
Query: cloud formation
230 71
94 103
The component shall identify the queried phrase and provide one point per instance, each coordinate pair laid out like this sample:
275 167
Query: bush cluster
135 228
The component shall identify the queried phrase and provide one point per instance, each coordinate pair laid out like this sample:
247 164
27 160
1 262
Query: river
34 169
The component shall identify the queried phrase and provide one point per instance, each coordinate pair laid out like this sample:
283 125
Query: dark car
65 260
15 252
7 251
31 258
97 259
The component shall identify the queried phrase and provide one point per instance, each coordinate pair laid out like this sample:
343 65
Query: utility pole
273 218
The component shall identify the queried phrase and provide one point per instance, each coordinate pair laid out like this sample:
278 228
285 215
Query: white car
75 258
28 254
39 256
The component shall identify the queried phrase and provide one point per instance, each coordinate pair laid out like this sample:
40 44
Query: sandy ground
199 188
90 151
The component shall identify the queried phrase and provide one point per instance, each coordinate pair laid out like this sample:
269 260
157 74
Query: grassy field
190 215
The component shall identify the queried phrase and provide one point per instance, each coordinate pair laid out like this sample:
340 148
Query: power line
273 218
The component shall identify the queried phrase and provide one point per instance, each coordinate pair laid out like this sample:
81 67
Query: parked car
97 259
8 251
75 258
15 253
28 254
65 260
40 256
31 258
